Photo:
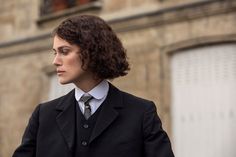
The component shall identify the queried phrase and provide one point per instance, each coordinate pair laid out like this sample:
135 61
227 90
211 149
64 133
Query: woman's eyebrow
60 48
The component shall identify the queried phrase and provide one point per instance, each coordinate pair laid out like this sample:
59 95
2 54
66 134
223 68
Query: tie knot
86 98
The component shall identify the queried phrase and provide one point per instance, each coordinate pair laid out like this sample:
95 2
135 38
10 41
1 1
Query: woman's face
68 63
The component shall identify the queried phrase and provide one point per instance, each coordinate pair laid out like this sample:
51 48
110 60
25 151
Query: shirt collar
98 92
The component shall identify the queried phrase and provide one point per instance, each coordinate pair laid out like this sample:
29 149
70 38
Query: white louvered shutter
203 96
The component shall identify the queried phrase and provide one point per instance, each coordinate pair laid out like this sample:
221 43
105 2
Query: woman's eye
64 51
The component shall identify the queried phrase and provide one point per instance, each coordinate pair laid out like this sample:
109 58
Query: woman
95 119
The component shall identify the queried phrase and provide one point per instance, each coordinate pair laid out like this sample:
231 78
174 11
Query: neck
88 85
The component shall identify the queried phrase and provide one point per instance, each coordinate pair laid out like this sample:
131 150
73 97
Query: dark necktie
87 108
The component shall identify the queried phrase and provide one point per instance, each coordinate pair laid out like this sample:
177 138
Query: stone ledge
25 46
201 41
174 14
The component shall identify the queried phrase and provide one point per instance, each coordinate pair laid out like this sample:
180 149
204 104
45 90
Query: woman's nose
57 60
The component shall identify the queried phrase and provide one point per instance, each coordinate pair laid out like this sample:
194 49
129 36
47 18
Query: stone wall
151 31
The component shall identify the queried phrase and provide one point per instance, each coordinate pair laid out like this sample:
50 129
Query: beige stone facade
151 31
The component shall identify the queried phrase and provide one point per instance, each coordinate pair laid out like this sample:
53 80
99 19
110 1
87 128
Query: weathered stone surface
149 35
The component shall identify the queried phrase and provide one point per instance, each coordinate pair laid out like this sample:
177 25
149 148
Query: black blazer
127 126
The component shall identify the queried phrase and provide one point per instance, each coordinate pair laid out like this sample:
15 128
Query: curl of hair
101 51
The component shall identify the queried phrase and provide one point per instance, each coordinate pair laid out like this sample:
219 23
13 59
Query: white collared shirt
99 94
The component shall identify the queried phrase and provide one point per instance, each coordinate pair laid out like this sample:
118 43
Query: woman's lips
60 72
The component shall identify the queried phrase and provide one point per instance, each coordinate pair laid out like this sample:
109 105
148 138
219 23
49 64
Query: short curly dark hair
100 48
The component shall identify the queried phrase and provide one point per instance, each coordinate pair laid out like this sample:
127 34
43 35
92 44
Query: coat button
84 143
86 126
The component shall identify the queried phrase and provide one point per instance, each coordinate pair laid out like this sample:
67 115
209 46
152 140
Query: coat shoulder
58 103
137 102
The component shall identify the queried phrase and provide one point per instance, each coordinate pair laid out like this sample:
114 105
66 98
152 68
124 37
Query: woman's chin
63 82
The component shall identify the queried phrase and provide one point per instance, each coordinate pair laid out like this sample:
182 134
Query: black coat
127 126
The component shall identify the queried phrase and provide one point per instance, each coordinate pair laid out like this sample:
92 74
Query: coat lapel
108 113
66 118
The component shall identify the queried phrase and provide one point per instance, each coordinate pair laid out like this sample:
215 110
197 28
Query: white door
203 99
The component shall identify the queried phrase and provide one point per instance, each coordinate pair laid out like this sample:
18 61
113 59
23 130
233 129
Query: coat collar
66 118
66 101
109 111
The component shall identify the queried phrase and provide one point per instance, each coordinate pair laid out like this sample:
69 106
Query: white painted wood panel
203 96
